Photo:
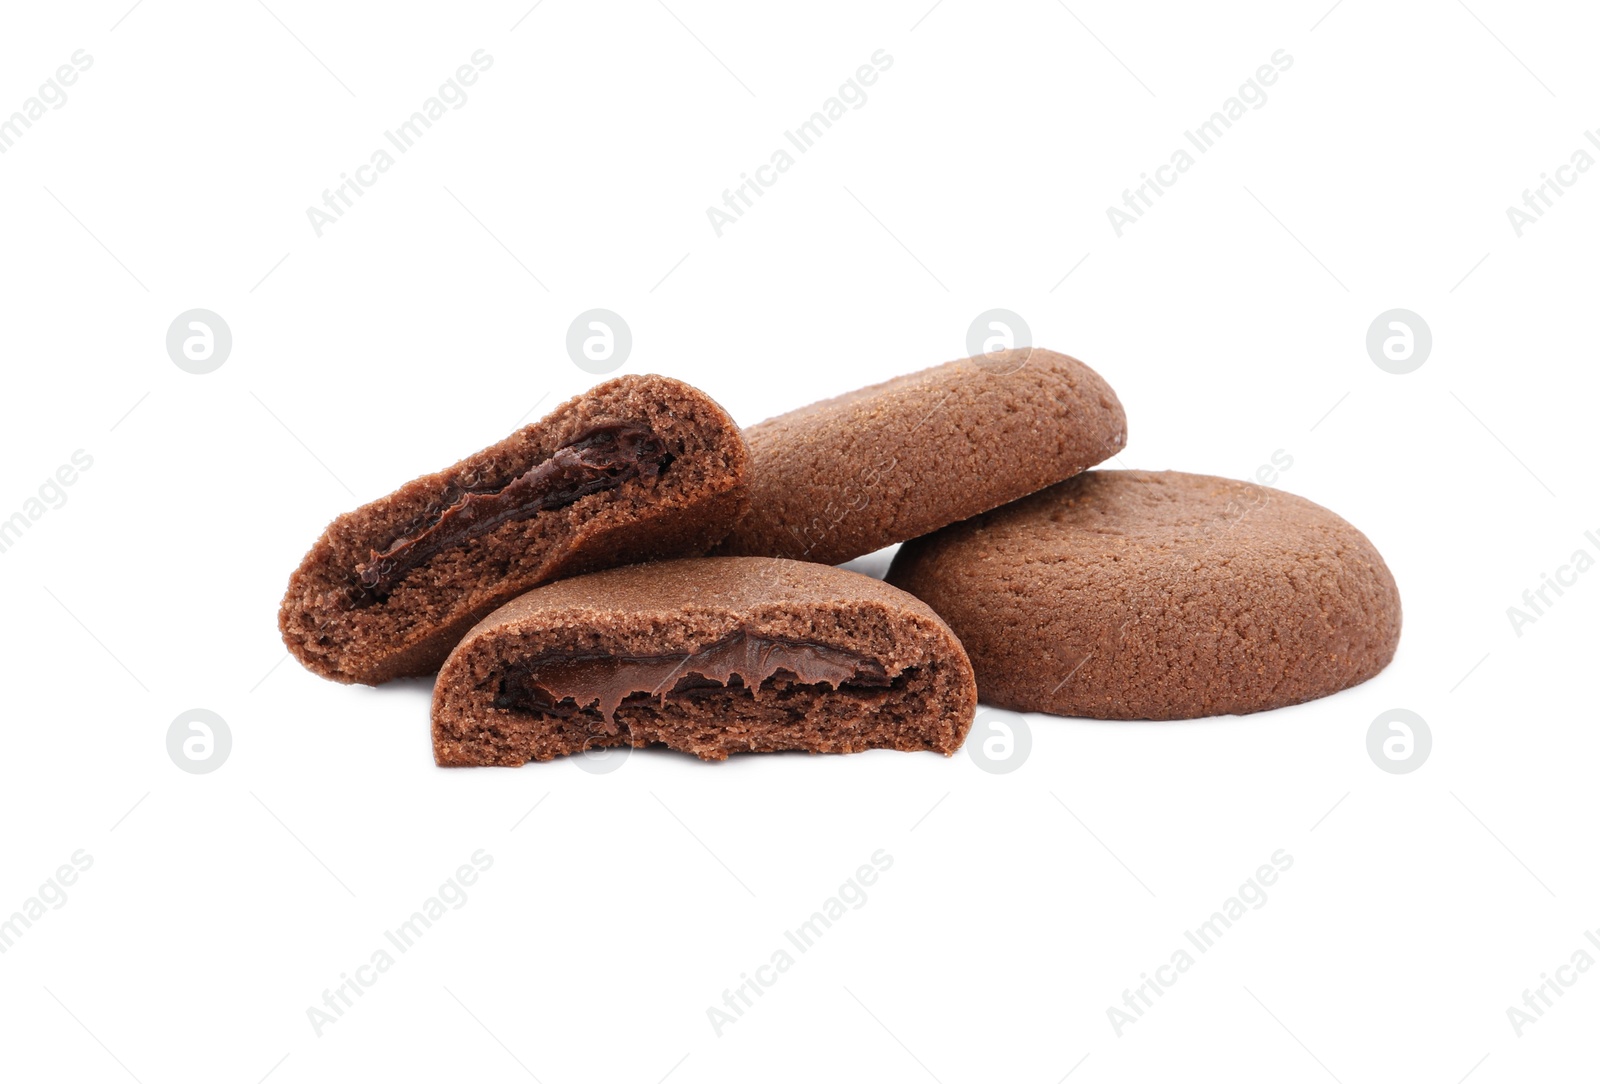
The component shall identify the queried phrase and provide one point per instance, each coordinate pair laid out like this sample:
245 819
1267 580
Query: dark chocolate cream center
545 682
600 458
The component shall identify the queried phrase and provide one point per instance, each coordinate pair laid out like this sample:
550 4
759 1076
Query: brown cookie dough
712 656
1138 595
849 475
638 468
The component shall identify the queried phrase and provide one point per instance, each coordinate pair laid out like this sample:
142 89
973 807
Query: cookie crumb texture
852 474
711 657
637 468
1139 595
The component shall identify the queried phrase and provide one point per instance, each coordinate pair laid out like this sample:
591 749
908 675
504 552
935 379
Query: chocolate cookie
713 656
637 468
850 475
1136 595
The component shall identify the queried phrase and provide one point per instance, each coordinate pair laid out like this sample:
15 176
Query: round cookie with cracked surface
1145 595
849 475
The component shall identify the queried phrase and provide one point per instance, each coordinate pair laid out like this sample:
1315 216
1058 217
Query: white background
431 318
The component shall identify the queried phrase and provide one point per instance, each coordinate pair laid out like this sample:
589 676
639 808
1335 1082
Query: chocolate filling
564 684
600 458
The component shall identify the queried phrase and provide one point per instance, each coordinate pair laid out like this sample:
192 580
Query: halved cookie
1139 595
711 657
849 475
640 467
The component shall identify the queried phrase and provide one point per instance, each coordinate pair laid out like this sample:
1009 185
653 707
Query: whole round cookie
850 475
1140 595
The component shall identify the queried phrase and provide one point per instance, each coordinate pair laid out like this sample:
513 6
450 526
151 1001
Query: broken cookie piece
639 468
710 657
